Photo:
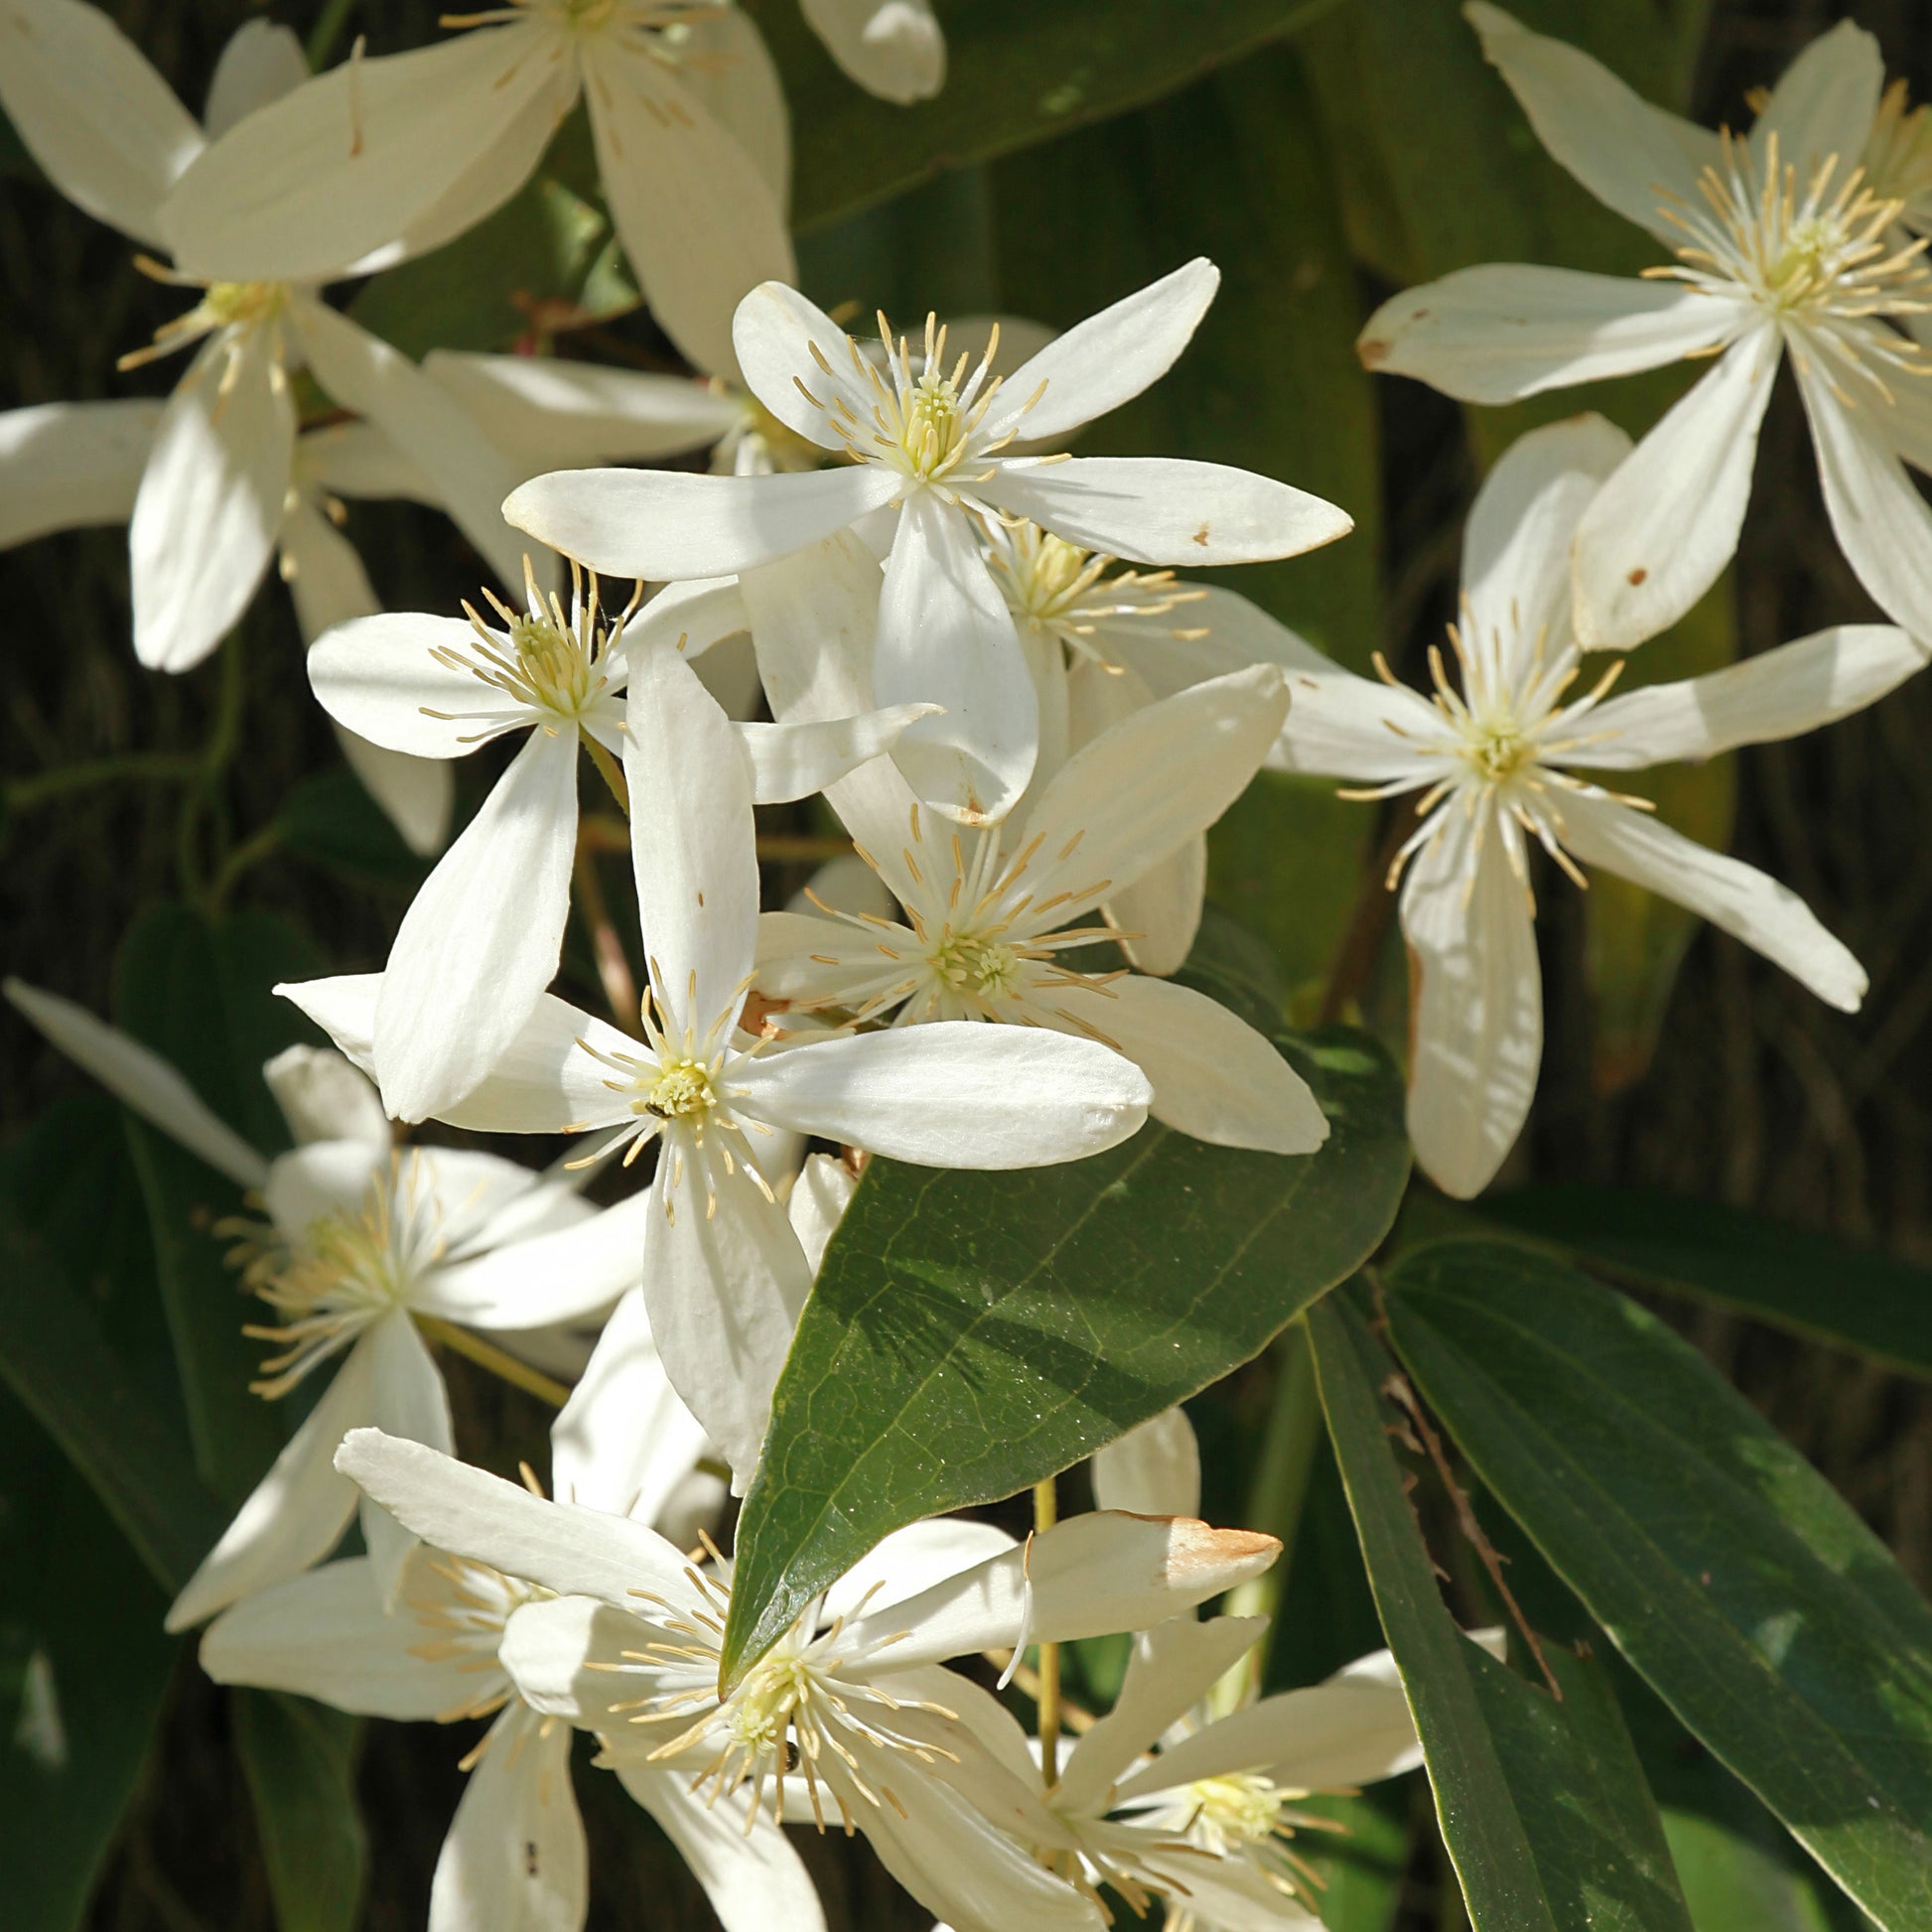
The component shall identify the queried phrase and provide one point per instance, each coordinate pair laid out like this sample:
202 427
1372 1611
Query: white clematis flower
852 1702
382 159
1502 763
1783 245
514 1857
209 507
725 1274
988 914
934 448
481 938
359 1240
894 49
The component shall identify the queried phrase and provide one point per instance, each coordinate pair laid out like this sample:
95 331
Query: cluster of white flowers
1027 743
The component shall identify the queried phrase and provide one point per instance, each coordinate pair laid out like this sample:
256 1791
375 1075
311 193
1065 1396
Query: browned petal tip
1198 1550
1373 351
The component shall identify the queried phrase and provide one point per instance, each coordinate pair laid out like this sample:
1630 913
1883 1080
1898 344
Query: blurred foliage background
171 845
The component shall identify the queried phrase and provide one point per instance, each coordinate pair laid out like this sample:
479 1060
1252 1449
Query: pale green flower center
759 1717
934 427
681 1091
967 962
1230 1812
1499 749
227 303
555 662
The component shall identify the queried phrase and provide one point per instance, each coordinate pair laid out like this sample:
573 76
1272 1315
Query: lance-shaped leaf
1808 1281
1725 1567
1542 1805
971 1334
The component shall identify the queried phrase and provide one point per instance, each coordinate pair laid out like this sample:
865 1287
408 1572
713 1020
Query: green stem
485 1354
328 29
162 768
249 853
1281 1484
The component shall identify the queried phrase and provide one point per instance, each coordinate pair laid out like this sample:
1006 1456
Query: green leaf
546 258
971 1334
1016 73
1728 1571
1810 1283
330 820
1542 1805
199 993
83 1668
300 1764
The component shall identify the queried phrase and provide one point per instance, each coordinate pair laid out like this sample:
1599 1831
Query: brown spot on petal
1201 536
1637 575
1374 351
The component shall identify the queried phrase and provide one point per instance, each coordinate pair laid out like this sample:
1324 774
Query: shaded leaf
1542 1806
300 1764
330 820
971 1334
1729 1573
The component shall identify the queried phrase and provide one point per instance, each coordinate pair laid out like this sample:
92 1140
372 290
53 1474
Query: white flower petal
313 183
910 1561
1214 632
1171 1669
322 569
354 459
1090 1576
550 1650
819 1197
572 1551
691 616
417 796
298 1511
1824 105
625 1439
1475 1002
1166 510
1880 520
1779 693
1232 1894
106 128
344 1007
407 1399
662 526
555 412
723 1286
692 846
1505 331
1107 359
1143 789
1357 728
321 1182
1516 542
324 1097
210 500
894 49
260 63
326 1636
515 1858
1349 1731
482 938
1213 1075
775 333
68 465
1662 528
470 475
954 1094
1162 910
729 67
379 677
794 761
543 1082
566 1275
946 637
698 220
754 1880
1768 916
140 1079
1151 1470
1633 157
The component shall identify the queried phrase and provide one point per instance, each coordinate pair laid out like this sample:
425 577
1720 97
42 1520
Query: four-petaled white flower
483 936
850 1719
988 915
725 1275
379 160
113 136
361 1239
1498 760
932 445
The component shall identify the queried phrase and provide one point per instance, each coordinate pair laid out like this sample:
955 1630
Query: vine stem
484 1354
159 767
1046 1512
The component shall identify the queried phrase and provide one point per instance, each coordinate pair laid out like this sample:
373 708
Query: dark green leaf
330 820
1543 1808
971 1334
299 1762
83 1668
1725 1567
1807 1282
1015 74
